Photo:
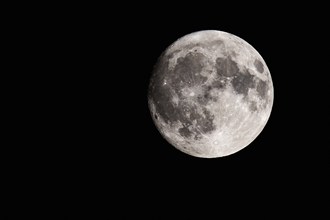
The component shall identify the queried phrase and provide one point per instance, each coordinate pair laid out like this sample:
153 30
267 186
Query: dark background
288 148
88 134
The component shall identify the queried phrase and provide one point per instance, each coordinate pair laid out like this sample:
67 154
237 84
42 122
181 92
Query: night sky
96 140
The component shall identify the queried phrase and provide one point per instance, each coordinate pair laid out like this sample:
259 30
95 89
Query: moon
210 94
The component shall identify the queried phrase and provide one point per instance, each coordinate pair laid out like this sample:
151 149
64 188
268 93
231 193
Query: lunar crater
211 94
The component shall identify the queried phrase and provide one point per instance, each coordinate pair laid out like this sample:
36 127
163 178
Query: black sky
123 48
104 139
286 153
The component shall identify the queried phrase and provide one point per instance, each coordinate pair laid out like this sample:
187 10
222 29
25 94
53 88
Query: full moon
210 94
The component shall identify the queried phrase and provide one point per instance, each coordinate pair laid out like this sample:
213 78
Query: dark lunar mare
259 66
186 73
262 88
241 81
226 67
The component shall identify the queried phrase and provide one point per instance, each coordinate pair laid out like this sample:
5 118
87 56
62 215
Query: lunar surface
210 94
